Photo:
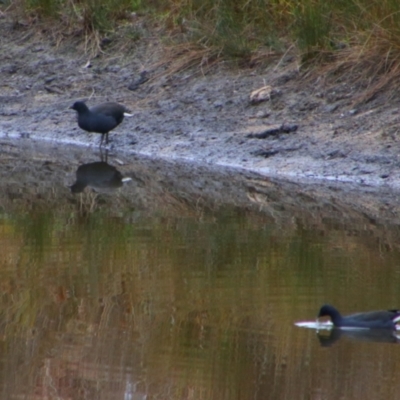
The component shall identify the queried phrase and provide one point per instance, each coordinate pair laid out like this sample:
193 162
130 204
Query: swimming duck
386 319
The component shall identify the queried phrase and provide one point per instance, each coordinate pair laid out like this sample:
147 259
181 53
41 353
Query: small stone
262 94
331 108
263 114
9 69
113 68
139 81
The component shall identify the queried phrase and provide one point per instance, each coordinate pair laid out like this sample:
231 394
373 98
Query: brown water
201 306
186 283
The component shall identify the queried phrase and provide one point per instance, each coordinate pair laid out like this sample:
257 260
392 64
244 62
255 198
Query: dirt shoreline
204 118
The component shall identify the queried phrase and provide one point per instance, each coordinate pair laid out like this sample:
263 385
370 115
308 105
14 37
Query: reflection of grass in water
37 229
195 291
90 248
40 256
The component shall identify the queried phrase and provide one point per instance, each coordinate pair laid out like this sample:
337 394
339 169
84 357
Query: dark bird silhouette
386 319
99 175
102 118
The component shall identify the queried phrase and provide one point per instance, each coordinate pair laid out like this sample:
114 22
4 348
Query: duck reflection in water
100 176
329 337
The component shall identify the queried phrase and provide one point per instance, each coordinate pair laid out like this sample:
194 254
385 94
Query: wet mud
35 173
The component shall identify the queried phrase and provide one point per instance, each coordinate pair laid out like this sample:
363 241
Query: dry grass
350 36
374 64
181 57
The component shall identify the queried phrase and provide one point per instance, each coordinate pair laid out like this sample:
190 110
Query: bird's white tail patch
127 115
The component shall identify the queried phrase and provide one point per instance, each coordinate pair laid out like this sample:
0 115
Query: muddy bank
203 115
37 175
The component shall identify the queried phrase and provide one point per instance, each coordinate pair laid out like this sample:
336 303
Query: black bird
102 118
386 319
99 175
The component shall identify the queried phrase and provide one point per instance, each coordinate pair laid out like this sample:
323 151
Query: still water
196 305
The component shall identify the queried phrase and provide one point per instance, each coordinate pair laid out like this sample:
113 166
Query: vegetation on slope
341 33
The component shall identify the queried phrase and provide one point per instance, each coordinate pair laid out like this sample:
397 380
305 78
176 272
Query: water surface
199 302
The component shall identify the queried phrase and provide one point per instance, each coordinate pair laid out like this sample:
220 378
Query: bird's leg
107 138
104 156
102 138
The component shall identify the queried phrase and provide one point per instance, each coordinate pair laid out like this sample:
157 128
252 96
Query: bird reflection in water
100 176
329 337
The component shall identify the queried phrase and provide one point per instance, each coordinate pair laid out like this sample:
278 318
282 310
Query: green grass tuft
239 28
